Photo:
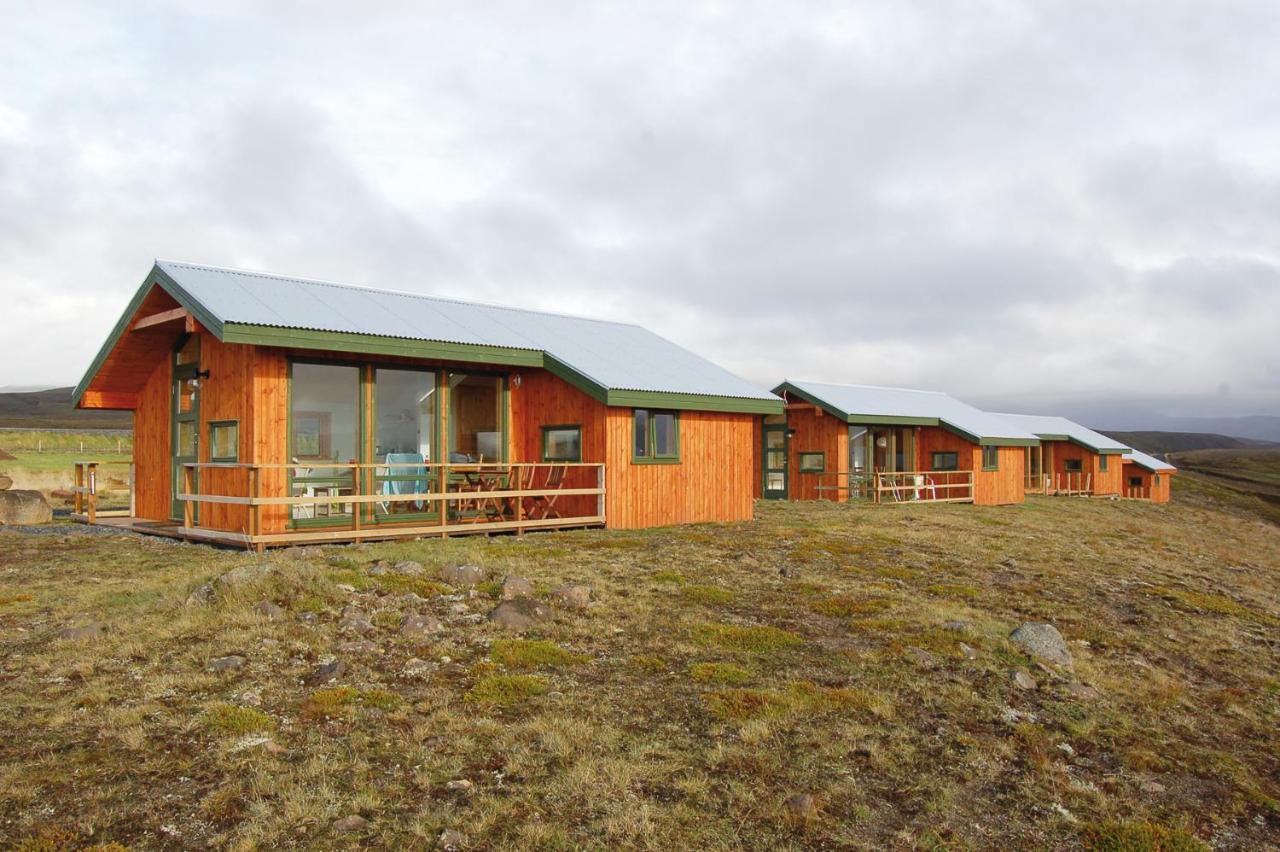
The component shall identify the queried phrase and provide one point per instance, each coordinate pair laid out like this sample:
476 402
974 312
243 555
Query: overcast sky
1031 205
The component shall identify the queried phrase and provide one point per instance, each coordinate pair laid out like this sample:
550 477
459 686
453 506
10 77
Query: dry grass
681 711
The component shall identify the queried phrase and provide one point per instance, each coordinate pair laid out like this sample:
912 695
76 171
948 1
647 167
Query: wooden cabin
888 445
1072 460
272 410
1147 477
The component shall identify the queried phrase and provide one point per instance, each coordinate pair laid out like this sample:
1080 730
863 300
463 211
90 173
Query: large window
990 458
946 461
476 418
656 436
404 436
813 462
562 443
324 421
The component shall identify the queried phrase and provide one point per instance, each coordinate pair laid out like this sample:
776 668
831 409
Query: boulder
269 610
325 673
417 626
1043 642
516 587
5 482
1022 679
24 507
409 568
523 613
463 575
351 824
571 596
84 633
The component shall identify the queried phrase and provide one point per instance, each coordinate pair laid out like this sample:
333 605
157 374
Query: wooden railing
843 486
461 497
1132 493
86 490
1062 484
924 486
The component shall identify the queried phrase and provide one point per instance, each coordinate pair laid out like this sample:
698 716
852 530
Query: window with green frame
224 441
945 461
990 458
1072 465
562 443
813 462
655 436
1102 464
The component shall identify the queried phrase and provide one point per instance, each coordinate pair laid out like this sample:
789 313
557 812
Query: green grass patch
649 663
954 590
740 704
725 674
674 577
745 638
1138 837
532 654
845 606
707 595
233 719
505 690
338 702
399 584
1216 604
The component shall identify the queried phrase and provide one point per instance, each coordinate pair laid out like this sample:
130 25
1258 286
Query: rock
416 669
923 658
269 610
450 839
1083 691
459 608
351 612
250 697
308 617
325 673
237 577
1023 679
417 626
377 569
226 664
5 483
1011 716
360 646
202 596
411 599
969 653
24 507
351 824
354 620
409 567
1042 641
516 587
463 575
85 633
1066 749
461 785
572 596
802 806
520 614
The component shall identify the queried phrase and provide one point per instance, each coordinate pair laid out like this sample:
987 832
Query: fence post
93 493
188 509
357 476
79 498
600 496
444 503
133 497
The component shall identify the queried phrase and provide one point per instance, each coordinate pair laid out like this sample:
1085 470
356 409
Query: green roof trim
371 344
693 402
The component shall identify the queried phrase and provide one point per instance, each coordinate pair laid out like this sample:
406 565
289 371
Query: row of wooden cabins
271 410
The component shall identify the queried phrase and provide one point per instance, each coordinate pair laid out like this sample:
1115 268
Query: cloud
1020 201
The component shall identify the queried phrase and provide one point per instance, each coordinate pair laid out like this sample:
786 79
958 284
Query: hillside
51 409
1159 443
857 655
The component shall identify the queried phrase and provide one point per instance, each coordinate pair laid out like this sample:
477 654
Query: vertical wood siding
543 399
151 439
817 432
1004 486
1157 492
1058 452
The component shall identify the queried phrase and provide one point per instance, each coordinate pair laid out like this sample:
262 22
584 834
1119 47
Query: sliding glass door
477 418
404 439
324 431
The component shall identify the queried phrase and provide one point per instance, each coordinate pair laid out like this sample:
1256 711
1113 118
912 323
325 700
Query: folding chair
543 506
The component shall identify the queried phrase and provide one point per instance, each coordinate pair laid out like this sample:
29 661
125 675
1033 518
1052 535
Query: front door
185 420
775 462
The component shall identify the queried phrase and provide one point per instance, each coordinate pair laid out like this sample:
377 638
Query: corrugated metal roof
616 356
1058 428
870 401
1151 463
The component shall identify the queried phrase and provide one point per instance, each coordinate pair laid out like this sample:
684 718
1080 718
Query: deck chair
397 486
542 506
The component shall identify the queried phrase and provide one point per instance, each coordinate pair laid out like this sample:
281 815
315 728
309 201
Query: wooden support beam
116 400
160 318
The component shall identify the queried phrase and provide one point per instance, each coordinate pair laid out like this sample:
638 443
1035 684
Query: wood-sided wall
998 487
1158 488
151 444
540 399
816 431
1056 454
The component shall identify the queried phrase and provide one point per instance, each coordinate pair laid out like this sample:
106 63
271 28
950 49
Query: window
1135 482
476 418
1072 465
224 441
813 462
1102 464
1155 479
990 458
946 461
656 436
324 422
404 437
562 443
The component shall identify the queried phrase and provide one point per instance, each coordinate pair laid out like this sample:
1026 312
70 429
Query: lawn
722 674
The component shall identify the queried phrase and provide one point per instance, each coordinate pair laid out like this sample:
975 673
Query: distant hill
1159 443
51 409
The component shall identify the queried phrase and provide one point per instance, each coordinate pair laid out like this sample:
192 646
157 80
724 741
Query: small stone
1083 691
85 633
378 569
416 669
250 697
351 612
417 626
520 614
802 806
351 824
1066 749
409 568
1023 679
267 643
5 483
461 785
516 587
411 599
450 839
360 646
923 658
226 664
237 577
1042 641
203 595
459 608
572 596
969 653
463 575
269 610
308 617
325 673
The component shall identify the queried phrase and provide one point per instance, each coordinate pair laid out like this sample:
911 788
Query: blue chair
397 485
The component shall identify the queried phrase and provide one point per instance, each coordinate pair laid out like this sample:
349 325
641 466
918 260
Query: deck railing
1072 484
357 501
924 486
87 488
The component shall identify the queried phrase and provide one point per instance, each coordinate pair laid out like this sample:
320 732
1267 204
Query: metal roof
612 355
853 402
1151 463
1061 429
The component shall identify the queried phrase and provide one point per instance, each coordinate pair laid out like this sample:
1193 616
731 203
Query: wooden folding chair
542 506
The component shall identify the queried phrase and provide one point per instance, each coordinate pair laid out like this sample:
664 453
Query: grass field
703 688
44 460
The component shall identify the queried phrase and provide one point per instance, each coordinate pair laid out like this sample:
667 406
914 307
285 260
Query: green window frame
1135 482
1155 479
809 465
1102 464
549 456
224 434
1073 465
946 461
990 458
647 428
